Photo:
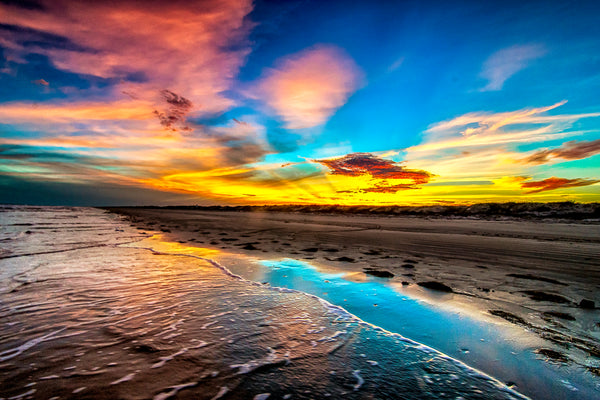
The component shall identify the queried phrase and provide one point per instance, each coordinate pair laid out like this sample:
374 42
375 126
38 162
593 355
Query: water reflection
500 350
503 351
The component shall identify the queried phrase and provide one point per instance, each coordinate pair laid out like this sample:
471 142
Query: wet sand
543 276
91 307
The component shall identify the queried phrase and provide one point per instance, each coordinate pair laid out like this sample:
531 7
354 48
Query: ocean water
90 308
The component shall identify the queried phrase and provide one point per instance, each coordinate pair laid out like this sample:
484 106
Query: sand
541 275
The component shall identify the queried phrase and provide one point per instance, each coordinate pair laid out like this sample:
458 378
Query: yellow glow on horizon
240 186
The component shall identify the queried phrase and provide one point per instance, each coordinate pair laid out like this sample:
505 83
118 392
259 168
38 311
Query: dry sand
541 275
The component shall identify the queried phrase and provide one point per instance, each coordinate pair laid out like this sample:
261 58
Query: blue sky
240 102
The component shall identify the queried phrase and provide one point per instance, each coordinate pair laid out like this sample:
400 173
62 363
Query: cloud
379 171
41 82
573 150
556 183
396 64
174 115
479 129
506 62
383 188
192 48
357 164
307 88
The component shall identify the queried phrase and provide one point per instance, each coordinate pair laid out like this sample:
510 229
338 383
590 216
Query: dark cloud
25 36
556 183
26 4
243 123
357 164
240 152
386 188
173 117
17 190
569 151
70 164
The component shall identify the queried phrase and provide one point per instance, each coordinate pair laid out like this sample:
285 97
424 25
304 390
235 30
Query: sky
233 102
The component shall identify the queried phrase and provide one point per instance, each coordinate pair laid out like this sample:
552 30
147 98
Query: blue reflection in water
486 346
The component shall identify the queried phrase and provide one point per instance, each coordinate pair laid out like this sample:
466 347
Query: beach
153 303
541 275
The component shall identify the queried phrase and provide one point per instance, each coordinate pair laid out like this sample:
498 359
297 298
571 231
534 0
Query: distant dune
556 210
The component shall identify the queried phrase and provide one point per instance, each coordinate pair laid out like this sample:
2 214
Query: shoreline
540 277
332 308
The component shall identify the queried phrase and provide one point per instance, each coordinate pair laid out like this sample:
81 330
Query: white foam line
359 378
222 392
342 312
20 396
173 391
27 345
251 365
163 360
332 337
209 324
124 379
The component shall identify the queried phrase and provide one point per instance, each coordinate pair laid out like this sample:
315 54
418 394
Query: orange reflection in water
159 244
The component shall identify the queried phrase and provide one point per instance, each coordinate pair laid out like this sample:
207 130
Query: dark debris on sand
515 319
553 355
560 315
538 295
433 285
378 273
345 259
588 304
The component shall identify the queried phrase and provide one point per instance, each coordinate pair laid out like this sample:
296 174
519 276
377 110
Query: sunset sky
321 102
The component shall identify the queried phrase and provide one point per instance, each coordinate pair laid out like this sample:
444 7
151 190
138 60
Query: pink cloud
193 48
306 88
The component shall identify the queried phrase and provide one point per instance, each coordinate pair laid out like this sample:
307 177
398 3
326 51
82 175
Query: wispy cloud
41 82
506 62
485 146
556 183
306 88
487 129
573 150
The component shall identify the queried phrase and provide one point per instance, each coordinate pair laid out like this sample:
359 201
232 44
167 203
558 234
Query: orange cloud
193 48
573 150
17 113
556 183
306 88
